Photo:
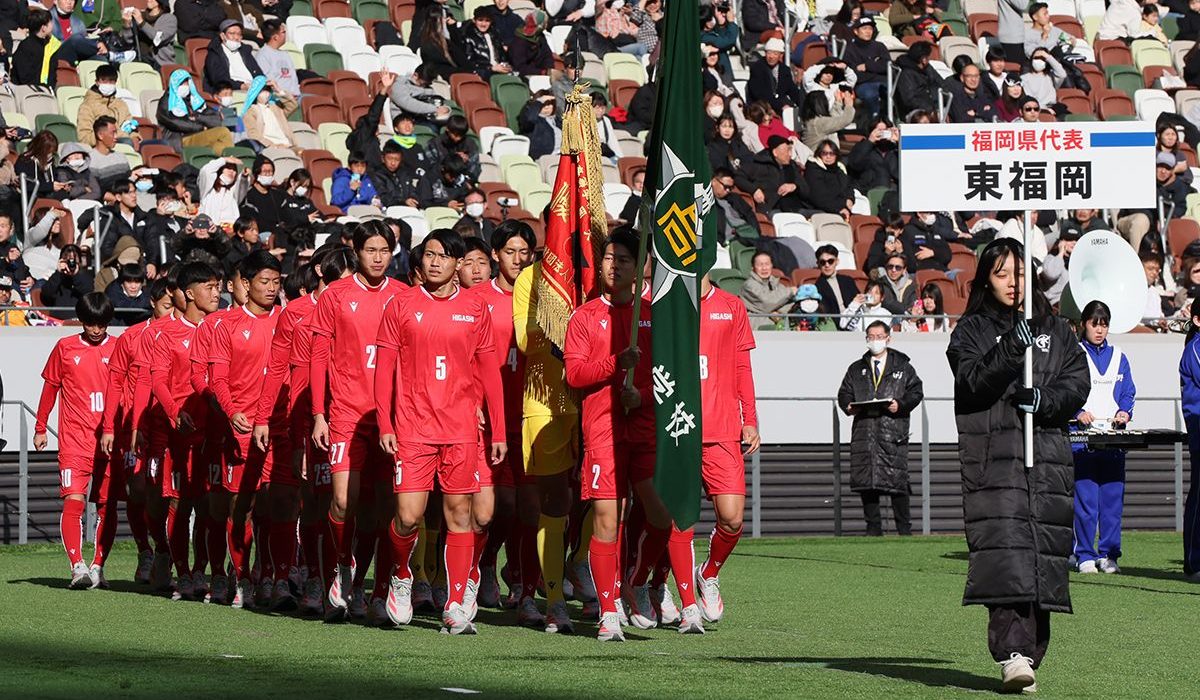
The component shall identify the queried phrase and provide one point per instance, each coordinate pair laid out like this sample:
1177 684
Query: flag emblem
679 227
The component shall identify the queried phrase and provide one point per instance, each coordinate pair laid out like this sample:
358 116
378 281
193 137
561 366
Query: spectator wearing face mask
75 172
474 205
1044 77
230 59
353 186
298 207
925 241
101 101
185 118
264 198
265 115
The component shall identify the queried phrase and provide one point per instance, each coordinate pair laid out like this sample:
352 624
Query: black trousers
1020 627
874 518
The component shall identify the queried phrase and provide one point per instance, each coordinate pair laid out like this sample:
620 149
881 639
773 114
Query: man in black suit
837 291
771 79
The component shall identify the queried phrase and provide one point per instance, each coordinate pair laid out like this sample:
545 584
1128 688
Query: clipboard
880 404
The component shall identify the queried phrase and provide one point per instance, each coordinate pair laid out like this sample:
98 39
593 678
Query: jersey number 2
370 357
595 477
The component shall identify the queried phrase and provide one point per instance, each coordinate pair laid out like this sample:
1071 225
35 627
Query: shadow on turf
930 672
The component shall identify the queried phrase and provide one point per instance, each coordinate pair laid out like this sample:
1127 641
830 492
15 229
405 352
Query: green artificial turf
811 618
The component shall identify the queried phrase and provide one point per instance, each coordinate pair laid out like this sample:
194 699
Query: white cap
775 44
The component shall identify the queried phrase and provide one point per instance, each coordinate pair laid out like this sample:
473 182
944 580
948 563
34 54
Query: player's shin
106 530
683 557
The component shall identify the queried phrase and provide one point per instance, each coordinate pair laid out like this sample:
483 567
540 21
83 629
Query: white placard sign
1027 166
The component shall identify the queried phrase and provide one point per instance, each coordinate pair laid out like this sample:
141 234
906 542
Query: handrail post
837 472
23 483
925 468
1178 467
756 494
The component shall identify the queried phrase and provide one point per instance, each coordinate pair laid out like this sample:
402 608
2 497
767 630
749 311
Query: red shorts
456 468
278 468
245 467
355 448
609 470
75 473
182 472
507 473
723 469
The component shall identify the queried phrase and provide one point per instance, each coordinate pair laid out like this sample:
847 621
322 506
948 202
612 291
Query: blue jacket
342 197
1124 390
1189 378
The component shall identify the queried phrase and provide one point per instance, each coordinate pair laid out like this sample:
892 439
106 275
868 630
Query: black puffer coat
879 440
1018 524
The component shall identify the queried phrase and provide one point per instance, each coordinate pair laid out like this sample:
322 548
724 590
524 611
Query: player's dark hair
356 157
131 272
1034 7
513 228
1097 312
626 237
120 187
159 288
335 263
887 329
452 243
94 309
196 273
370 229
256 262
477 243
919 50
302 281
270 28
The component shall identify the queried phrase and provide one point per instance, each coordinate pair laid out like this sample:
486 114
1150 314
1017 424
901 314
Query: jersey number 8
703 367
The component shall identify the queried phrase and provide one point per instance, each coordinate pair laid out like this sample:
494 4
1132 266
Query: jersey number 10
97 400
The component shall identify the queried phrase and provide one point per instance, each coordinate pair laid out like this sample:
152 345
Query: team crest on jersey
491 308
604 323
419 315
187 344
354 306
246 334
76 358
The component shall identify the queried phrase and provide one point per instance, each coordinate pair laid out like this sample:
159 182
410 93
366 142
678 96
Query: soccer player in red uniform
435 341
512 251
343 358
124 460
730 429
618 438
78 370
476 268
241 351
182 473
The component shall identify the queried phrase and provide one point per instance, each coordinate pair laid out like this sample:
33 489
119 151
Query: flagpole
643 225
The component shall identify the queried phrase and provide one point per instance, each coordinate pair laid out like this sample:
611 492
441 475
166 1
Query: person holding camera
69 283
719 30
152 30
875 160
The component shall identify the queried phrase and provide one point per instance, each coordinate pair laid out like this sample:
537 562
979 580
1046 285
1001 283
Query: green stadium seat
322 58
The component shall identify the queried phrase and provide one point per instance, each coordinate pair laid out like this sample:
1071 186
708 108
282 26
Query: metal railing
24 412
60 313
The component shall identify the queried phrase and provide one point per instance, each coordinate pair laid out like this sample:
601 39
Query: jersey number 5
439 368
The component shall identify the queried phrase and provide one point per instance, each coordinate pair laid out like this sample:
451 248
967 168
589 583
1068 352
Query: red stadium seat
1069 24
319 111
320 164
628 167
479 117
322 87
66 74
324 9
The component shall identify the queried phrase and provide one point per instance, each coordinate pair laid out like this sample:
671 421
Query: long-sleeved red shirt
118 398
275 387
726 381
78 370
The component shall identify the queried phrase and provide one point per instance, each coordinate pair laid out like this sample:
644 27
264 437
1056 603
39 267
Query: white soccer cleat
422 596
243 597
440 597
471 599
263 592
145 561
558 620
610 628
81 578
456 621
183 588
664 605
641 614
691 623
220 591
1108 566
399 605
1087 567
585 588
709 590
282 599
489 587
336 607
199 587
313 601
160 572
1016 674
358 603
96 573
528 614
621 614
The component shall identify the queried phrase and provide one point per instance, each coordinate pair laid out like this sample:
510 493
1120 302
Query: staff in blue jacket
1189 388
1100 474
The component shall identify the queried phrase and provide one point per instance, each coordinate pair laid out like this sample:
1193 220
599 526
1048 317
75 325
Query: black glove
1021 336
1028 399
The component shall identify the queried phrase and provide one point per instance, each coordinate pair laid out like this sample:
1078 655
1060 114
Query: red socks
241 537
283 548
479 543
343 539
650 547
720 546
602 556
460 548
683 562
106 531
179 534
135 513
364 552
662 569
531 566
217 545
71 526
402 549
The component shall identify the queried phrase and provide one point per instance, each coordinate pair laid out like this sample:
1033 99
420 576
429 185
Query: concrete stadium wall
786 366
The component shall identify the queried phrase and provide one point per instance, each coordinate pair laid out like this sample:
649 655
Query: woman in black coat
1018 522
829 188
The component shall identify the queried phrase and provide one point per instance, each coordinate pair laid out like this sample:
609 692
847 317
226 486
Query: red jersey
726 384
171 370
504 342
78 371
596 333
439 342
143 357
241 351
347 318
275 389
299 396
202 350
118 398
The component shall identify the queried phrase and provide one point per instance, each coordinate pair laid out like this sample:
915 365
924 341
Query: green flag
678 186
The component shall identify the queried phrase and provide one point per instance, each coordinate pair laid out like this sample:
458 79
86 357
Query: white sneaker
585 588
263 592
81 578
691 623
145 560
160 572
243 598
422 596
471 599
282 600
336 608
610 628
199 587
558 620
220 591
1016 673
641 613
709 590
96 573
440 597
621 615
399 606
377 613
312 603
664 603
1088 567
1108 566
358 603
183 588
489 588
528 614
456 621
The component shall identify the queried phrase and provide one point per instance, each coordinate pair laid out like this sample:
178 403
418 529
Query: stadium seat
1150 52
286 162
240 152
198 156
628 166
490 115
318 110
620 92
1127 79
831 228
62 128
441 217
1152 74
1181 232
865 227
1150 103
535 198
364 62
322 58
364 10
399 59
327 9
1178 50
615 197
306 136
954 46
519 175
321 87
291 49
728 280
794 225
511 96
1076 101
87 72
488 135
1184 99
474 94
1068 24
623 66
69 99
320 163
1110 103
161 157
506 144
1112 53
66 75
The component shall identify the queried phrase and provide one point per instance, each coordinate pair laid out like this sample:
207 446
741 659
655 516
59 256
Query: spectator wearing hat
1008 105
763 292
771 79
230 59
10 314
265 115
75 172
971 101
127 254
528 50
507 23
202 240
101 101
185 118
760 16
198 19
918 84
353 186
719 30
780 180
485 55
838 291
869 58
805 312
